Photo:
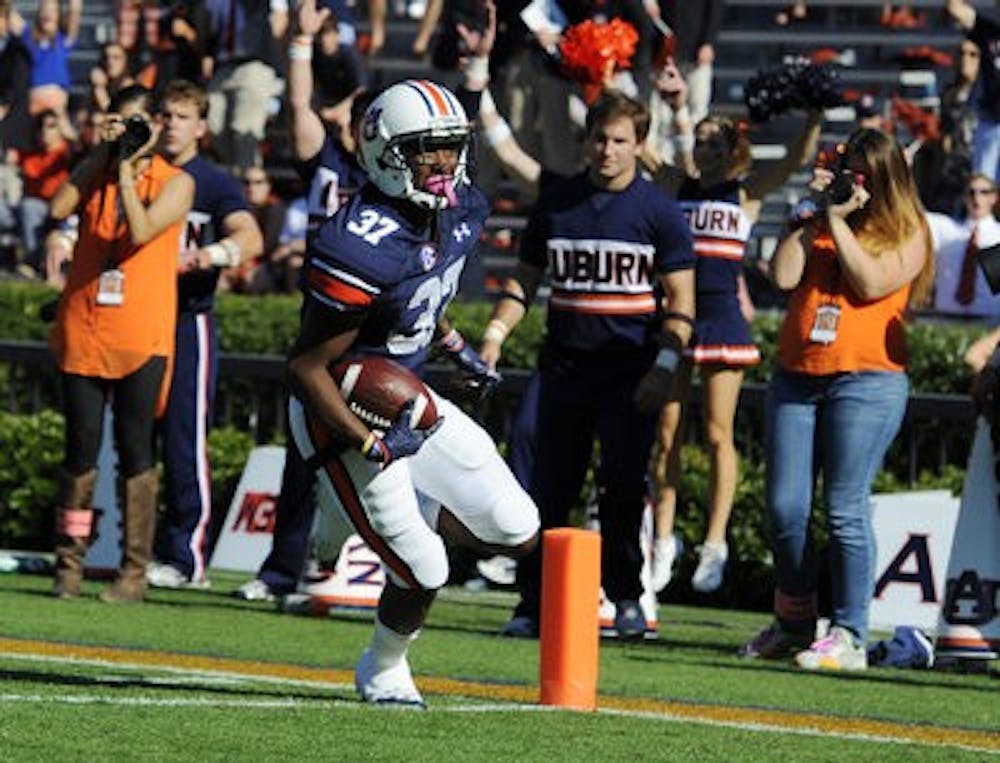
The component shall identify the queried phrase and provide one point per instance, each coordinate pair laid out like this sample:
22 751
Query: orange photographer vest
870 335
111 342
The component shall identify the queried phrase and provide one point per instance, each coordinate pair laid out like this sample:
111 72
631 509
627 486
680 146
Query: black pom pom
794 85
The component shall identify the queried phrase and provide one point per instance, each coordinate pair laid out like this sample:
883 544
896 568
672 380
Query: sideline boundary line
785 721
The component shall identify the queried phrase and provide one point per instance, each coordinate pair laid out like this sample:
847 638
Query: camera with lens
136 135
838 192
840 189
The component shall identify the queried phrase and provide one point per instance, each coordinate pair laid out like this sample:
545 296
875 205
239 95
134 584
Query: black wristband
516 297
670 315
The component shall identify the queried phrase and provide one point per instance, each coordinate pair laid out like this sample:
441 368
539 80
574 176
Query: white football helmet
404 120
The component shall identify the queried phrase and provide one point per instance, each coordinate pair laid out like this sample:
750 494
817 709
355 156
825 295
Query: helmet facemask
407 154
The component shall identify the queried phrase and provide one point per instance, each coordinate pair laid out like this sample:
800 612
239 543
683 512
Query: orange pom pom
589 48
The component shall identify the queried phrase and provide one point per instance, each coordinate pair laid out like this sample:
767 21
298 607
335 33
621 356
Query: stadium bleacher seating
749 41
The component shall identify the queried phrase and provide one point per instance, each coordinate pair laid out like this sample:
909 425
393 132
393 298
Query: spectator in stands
180 43
110 75
721 194
696 29
291 251
43 171
244 65
839 393
136 25
869 113
343 12
338 74
959 287
535 96
50 39
220 233
982 25
942 167
114 334
263 274
16 129
902 17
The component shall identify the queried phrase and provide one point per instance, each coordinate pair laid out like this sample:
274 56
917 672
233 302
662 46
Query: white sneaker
254 590
389 686
711 565
665 553
161 575
500 570
836 651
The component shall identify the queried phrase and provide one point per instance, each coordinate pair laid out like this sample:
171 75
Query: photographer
114 331
840 390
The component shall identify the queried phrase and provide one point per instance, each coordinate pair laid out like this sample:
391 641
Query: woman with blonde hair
838 396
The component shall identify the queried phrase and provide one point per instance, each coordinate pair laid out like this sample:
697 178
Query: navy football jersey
371 258
216 195
720 229
333 175
604 252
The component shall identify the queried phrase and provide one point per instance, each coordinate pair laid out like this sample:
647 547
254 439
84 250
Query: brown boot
76 522
137 548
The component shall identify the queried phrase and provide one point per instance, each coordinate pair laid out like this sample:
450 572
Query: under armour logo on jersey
428 256
461 232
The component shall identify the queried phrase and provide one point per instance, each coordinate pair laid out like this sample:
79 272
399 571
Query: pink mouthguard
442 185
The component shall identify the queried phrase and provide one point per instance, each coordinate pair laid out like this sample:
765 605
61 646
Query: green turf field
201 676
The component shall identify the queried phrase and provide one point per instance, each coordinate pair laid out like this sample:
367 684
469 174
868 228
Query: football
377 388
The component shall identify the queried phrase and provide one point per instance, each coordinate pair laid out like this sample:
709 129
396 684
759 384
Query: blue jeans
841 424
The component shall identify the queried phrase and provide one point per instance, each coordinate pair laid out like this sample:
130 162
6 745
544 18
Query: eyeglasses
980 192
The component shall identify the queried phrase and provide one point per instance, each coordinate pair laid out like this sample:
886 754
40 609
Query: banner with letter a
969 626
913 533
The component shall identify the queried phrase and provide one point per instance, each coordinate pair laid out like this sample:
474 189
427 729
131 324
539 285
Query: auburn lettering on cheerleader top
720 229
373 257
604 252
870 335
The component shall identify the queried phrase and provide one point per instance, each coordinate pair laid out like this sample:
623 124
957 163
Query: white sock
389 647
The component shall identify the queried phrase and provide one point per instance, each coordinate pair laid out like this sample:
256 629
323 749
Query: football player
378 278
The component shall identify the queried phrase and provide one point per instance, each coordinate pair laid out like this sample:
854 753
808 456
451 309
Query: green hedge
267 325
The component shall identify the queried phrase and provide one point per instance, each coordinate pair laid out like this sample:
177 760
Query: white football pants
395 510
